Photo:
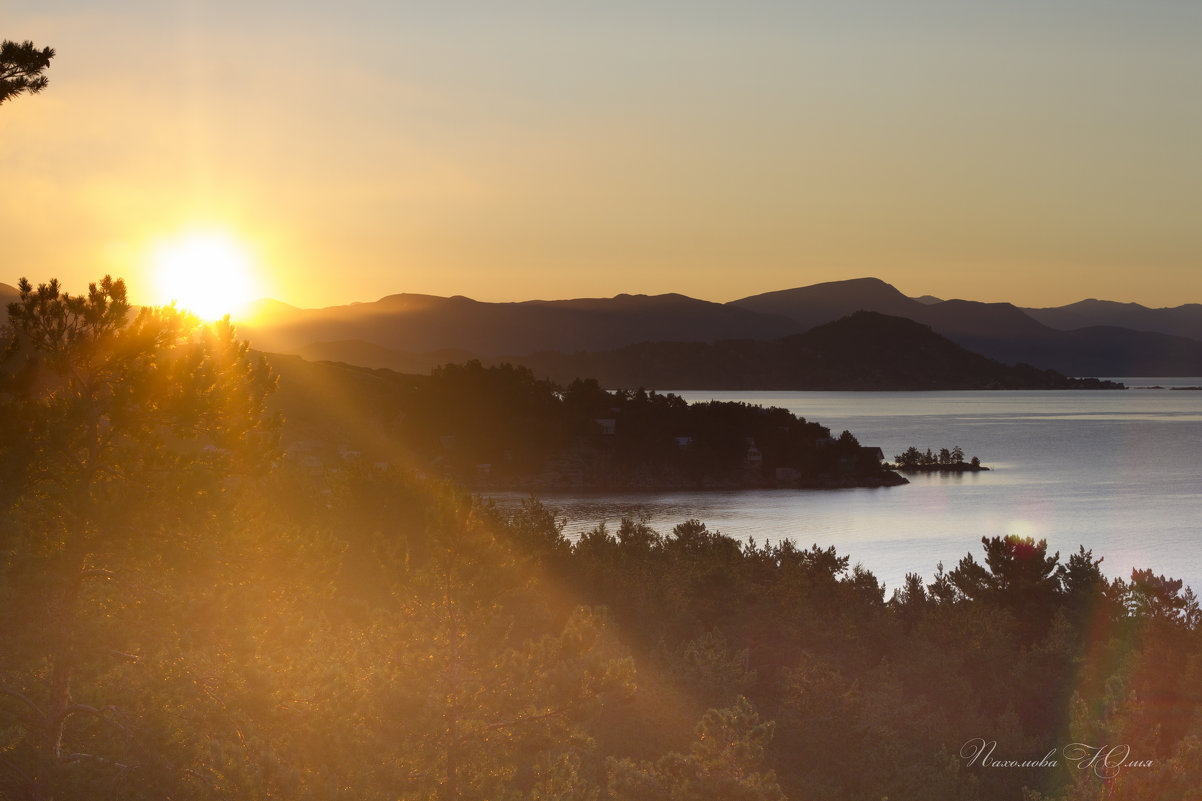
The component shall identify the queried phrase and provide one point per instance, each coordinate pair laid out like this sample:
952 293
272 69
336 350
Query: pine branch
25 700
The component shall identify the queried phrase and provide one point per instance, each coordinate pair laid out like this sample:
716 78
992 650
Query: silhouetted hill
421 323
8 294
1182 321
1105 350
970 318
1000 331
413 332
267 311
1006 333
865 350
821 303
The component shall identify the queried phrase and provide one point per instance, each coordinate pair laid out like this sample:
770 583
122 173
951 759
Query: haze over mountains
1082 341
425 322
1185 320
415 332
862 351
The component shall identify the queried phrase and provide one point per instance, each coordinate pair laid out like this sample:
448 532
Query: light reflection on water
1117 472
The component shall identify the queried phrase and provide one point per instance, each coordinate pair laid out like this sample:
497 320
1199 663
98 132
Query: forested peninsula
501 428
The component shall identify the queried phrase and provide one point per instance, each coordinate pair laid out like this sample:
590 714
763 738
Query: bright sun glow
209 274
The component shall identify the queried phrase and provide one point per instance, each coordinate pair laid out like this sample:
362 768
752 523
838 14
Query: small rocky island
945 461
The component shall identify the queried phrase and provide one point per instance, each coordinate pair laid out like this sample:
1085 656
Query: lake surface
1119 472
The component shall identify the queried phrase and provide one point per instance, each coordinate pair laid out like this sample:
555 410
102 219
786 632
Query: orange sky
549 150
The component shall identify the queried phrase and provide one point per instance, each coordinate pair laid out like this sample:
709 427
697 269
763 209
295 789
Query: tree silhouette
21 67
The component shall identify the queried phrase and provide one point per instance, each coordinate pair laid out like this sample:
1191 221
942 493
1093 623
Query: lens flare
209 274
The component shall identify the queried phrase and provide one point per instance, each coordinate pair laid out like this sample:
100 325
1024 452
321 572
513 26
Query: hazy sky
1039 152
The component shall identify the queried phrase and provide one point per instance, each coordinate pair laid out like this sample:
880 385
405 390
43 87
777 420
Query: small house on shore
867 451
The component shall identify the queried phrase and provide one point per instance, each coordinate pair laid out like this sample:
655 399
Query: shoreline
959 467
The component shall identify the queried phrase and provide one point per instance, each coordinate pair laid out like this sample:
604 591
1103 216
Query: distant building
684 443
874 453
608 425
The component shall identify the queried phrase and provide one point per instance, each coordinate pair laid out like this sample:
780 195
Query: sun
210 274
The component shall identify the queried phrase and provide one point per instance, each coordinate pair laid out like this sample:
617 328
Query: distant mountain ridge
865 350
421 323
414 331
1182 321
405 331
1003 331
821 303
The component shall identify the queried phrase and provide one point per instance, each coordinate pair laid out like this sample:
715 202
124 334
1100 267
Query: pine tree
123 444
21 67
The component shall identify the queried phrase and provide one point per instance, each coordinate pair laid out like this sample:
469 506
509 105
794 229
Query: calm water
1117 472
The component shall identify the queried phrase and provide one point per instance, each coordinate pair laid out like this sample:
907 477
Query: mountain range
415 332
419 323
